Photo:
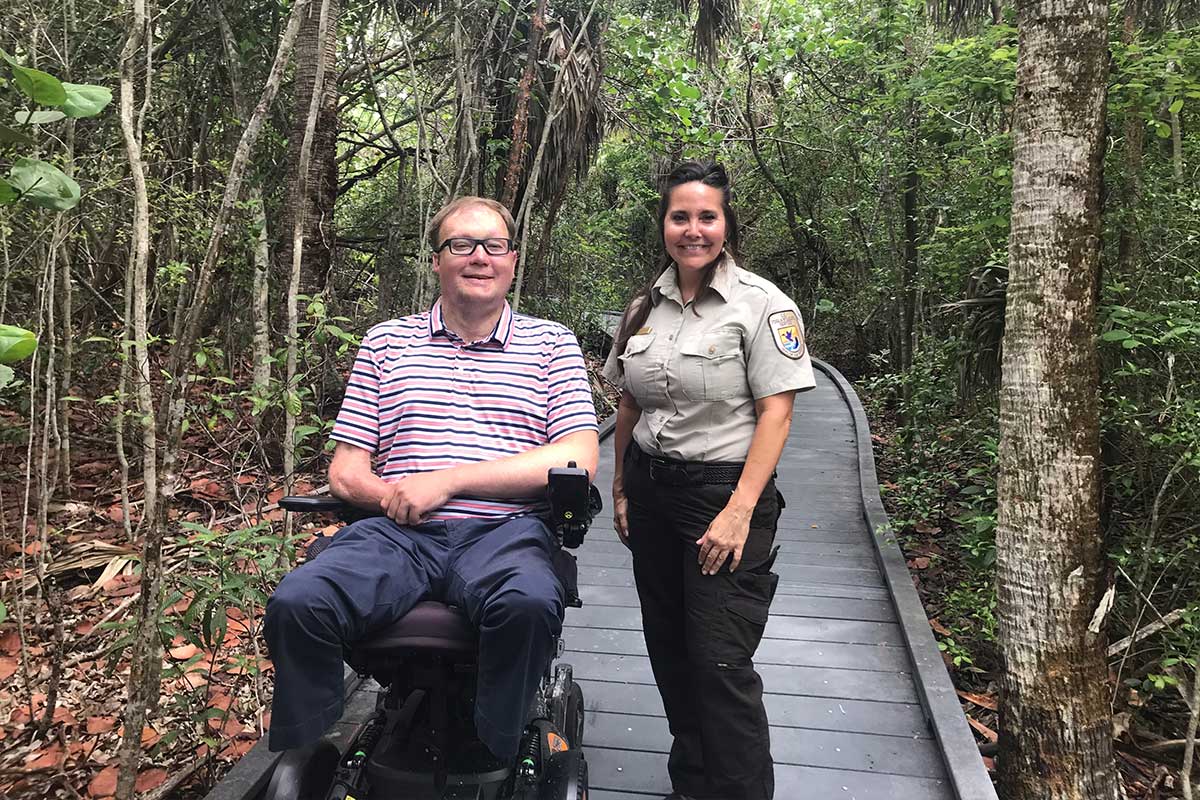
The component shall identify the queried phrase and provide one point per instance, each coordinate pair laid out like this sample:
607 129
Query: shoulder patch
785 327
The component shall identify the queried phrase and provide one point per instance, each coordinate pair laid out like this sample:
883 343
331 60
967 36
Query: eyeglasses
464 246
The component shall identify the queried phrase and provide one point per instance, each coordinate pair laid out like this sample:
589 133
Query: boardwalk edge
964 766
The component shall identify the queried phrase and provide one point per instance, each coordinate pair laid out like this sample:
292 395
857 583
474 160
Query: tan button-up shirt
696 375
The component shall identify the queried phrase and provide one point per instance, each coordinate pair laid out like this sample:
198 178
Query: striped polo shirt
421 399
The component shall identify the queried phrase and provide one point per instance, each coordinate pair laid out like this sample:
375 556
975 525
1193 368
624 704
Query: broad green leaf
12 136
28 117
85 99
7 193
1176 106
15 344
44 184
3 608
40 87
1116 335
6 377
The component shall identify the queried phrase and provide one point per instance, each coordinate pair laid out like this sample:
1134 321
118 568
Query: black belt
673 472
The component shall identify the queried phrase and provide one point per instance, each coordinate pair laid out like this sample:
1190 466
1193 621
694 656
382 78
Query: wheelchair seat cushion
429 626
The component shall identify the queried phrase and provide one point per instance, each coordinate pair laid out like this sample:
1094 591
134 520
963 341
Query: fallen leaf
85 627
63 716
97 725
987 732
104 784
193 681
115 512
150 736
183 652
982 700
230 728
8 666
10 642
150 779
920 562
236 749
939 628
44 759
221 701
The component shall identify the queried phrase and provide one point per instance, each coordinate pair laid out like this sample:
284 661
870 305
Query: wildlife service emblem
788 338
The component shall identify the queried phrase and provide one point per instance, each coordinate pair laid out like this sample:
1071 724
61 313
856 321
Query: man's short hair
458 204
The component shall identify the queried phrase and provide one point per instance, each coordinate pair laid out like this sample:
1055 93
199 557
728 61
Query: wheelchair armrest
573 503
314 504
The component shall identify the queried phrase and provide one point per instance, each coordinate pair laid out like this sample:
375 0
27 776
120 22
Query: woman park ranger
709 359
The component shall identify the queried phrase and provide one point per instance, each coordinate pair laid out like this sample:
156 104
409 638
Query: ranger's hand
620 513
409 499
725 538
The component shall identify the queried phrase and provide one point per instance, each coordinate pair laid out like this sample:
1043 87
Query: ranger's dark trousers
499 572
702 631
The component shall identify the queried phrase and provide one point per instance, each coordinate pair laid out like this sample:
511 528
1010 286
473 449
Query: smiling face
478 279
694 228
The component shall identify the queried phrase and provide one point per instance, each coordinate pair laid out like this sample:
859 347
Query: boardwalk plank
803 747
906 720
850 684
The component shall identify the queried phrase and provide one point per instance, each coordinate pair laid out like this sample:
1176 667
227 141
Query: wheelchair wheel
574 717
305 773
566 777
566 706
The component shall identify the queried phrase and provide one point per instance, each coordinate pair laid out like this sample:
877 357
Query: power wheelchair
420 743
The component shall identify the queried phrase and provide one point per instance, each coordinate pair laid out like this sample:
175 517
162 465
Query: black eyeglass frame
476 243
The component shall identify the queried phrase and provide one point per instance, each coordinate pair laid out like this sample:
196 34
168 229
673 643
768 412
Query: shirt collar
501 335
723 281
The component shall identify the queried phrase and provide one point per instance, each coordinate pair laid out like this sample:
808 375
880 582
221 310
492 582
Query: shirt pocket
642 379
711 367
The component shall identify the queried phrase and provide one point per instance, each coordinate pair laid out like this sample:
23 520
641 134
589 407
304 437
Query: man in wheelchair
451 420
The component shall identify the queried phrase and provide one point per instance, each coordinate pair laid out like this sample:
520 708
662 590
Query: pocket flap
637 344
715 345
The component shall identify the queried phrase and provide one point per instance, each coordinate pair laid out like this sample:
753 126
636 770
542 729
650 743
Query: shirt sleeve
569 406
777 353
358 420
612 368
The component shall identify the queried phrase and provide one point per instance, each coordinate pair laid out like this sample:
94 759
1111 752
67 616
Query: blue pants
499 572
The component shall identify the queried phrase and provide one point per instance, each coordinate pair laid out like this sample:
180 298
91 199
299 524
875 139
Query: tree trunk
1056 734
316 73
520 126
297 202
1128 238
908 273
139 256
260 349
142 688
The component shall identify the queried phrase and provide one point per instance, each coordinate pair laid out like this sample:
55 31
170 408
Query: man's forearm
524 474
361 488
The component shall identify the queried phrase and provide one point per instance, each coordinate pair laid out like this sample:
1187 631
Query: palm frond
715 19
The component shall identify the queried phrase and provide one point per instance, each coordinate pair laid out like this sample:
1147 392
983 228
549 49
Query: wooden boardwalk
852 709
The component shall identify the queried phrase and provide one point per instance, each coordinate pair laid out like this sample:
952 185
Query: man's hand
409 499
725 538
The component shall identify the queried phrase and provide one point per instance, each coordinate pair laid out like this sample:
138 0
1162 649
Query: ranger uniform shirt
696 368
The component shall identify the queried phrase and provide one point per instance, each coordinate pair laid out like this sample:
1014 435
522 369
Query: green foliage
30 179
16 344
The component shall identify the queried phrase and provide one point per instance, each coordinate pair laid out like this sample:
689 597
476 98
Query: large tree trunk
1056 735
315 58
